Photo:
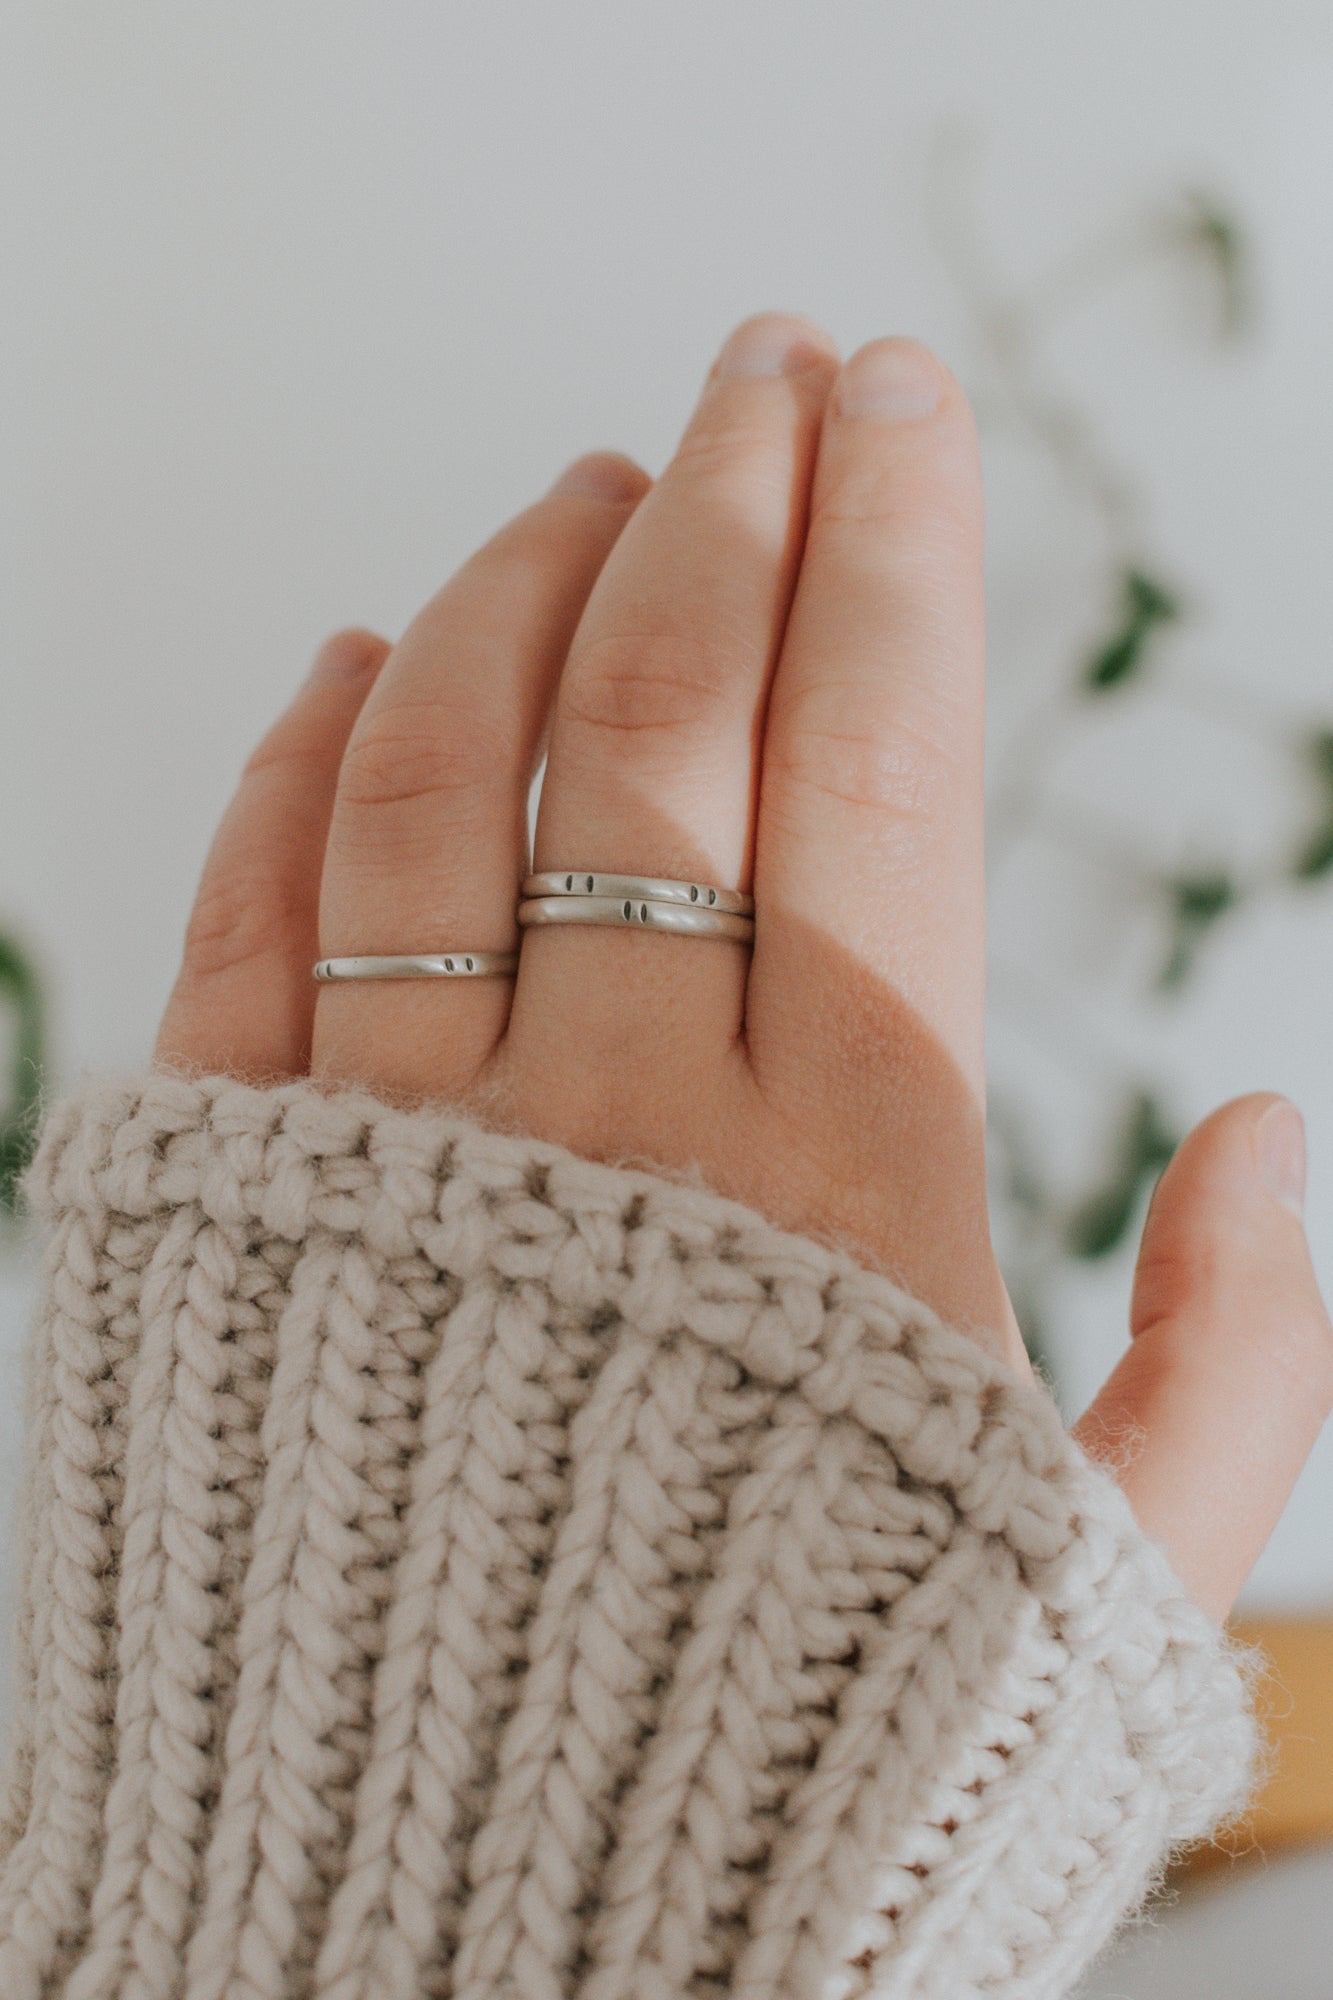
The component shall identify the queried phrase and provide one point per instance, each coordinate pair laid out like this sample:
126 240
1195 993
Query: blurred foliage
20 997
1212 229
1197 902
1018 389
1144 605
1147 1141
1315 857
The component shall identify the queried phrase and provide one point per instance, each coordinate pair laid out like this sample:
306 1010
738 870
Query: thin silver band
428 965
637 888
637 912
575 896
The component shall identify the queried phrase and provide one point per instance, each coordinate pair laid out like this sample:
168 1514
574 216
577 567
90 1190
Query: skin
764 670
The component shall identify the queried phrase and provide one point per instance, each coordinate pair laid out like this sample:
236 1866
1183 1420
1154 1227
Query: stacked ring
692 909
646 888
574 896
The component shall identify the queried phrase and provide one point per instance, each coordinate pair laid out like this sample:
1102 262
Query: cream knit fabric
454 1567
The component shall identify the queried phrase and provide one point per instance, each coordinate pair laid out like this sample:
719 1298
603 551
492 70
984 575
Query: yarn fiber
453 1567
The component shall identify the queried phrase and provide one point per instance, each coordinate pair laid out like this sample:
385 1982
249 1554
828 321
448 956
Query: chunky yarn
456 1568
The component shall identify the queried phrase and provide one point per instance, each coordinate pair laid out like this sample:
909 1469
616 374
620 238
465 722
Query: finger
429 839
1214 1408
869 852
244 1000
652 764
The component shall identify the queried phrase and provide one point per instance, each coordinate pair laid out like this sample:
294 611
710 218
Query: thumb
1213 1410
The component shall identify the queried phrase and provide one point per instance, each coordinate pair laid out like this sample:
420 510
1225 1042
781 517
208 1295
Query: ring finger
428 841
653 760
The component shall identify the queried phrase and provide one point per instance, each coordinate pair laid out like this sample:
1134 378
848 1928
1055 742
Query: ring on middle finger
618 911
637 889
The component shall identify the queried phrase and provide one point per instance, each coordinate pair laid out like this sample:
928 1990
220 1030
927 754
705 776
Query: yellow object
1295 1808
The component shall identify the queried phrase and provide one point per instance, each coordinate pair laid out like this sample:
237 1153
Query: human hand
764 670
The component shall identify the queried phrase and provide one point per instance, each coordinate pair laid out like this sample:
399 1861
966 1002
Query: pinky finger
244 1001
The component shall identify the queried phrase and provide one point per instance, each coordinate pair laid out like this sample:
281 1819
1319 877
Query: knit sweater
456 1567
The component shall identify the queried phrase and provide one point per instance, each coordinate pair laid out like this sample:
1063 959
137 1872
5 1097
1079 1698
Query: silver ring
638 911
429 965
638 888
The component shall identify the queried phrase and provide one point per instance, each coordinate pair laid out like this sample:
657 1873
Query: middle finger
870 840
652 767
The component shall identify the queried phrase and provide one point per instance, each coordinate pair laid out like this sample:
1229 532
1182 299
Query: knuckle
1184 1285
735 480
288 750
419 755
648 687
727 449
1297 1346
238 919
875 519
926 490
513 565
825 747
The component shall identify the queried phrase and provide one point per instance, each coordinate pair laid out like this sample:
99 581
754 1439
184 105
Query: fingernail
347 656
900 379
601 475
769 345
1281 1141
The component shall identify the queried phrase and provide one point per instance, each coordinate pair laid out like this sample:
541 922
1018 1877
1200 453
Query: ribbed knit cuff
458 1567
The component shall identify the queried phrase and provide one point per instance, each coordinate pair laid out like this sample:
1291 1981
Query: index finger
870 831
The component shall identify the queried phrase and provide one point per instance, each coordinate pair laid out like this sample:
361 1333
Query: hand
765 671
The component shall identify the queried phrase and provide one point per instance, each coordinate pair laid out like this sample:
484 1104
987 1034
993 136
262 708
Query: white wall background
300 302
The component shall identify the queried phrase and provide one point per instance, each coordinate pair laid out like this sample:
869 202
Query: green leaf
1202 899
1198 902
1099 1224
19 987
1154 1136
1116 661
1316 857
1148 600
1033 1330
1145 602
1222 240
1319 747
1218 231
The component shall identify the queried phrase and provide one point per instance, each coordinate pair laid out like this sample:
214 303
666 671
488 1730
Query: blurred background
301 303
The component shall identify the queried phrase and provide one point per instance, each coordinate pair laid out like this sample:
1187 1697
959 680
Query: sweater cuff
465 1566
